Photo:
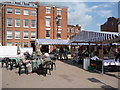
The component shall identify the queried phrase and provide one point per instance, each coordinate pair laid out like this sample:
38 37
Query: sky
88 14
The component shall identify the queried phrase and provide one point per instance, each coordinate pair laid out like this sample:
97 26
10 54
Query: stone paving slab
65 76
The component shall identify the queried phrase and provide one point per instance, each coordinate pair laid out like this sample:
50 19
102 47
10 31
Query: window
25 22
33 35
48 33
112 23
17 22
47 10
17 11
33 13
72 36
9 43
59 33
17 34
59 12
25 34
59 22
9 10
25 44
77 30
17 43
72 30
26 12
33 23
9 34
48 22
9 22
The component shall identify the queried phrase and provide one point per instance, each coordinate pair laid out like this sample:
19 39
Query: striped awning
51 42
95 37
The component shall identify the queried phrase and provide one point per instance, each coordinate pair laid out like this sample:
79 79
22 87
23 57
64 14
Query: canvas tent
95 37
51 42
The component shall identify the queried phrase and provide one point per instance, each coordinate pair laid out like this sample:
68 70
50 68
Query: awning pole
77 51
102 60
89 50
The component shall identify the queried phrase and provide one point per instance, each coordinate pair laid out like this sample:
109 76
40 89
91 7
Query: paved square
66 75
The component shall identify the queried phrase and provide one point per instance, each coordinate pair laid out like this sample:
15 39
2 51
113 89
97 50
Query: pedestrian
61 53
56 53
118 56
66 53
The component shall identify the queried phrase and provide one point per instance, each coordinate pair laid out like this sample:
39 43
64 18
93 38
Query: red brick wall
41 23
111 25
21 28
1 23
53 27
74 28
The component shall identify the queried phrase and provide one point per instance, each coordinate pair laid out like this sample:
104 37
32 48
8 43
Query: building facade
72 31
0 24
23 22
118 25
18 23
52 23
48 26
111 25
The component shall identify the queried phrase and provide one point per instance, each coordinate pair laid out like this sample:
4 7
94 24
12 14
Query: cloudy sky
90 15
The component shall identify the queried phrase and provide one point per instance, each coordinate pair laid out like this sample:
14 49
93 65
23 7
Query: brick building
0 24
119 25
47 24
111 25
24 22
48 27
73 30
18 23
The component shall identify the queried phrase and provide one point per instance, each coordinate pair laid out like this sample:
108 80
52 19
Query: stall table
102 65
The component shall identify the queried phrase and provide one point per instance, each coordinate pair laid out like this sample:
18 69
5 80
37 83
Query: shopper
61 53
118 56
66 53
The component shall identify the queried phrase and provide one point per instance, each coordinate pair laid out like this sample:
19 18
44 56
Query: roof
51 42
22 4
32 4
95 37
51 5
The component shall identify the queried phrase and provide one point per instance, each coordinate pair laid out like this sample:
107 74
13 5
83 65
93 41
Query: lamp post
57 23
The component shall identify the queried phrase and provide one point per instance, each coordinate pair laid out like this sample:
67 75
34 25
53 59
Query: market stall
99 39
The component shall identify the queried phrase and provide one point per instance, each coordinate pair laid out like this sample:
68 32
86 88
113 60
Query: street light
57 22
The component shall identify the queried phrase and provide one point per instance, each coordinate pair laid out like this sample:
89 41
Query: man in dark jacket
61 53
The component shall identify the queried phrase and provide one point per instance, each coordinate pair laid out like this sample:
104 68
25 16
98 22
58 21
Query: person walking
118 56
66 53
56 53
61 53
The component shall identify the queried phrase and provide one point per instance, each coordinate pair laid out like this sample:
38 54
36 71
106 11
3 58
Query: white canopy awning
52 42
95 37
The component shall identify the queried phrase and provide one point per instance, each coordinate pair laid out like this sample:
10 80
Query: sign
8 51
